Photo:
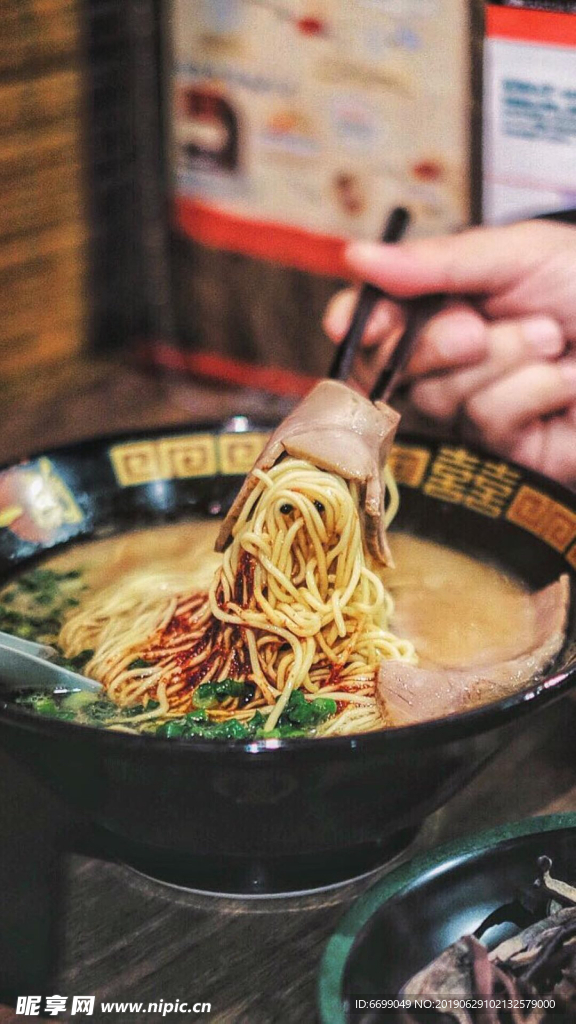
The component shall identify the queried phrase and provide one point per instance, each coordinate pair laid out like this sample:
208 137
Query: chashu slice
337 429
408 694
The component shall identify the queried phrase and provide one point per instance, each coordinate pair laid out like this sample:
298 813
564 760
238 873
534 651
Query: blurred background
43 226
179 178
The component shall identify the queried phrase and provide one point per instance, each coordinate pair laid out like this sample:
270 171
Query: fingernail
568 371
544 336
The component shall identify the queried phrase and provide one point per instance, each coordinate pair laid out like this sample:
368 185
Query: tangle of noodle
295 605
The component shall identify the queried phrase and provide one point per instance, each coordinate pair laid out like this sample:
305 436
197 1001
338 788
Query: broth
456 610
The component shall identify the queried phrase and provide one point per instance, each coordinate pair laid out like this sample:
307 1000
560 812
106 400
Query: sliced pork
336 429
408 694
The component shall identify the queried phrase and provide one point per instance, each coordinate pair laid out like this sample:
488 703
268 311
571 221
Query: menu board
529 112
298 123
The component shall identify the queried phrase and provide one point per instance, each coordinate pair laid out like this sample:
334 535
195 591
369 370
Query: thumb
476 261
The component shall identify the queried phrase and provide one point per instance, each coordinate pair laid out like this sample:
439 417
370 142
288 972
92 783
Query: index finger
477 261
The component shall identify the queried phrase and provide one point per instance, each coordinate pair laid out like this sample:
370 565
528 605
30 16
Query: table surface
84 925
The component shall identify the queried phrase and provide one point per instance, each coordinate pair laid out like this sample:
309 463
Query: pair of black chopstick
418 311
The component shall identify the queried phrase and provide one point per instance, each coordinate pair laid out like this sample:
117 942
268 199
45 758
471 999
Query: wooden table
94 927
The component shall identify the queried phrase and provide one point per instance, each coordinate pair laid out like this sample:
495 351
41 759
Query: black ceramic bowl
282 815
413 914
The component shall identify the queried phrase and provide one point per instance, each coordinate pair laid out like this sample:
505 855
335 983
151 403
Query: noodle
295 605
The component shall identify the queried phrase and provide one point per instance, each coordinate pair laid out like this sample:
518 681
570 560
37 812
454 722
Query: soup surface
455 609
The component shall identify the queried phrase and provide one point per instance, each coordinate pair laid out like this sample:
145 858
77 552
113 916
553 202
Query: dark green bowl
414 913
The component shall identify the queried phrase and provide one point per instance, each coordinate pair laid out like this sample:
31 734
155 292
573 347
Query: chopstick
418 312
341 367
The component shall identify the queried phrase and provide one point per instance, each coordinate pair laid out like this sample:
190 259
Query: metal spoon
25 665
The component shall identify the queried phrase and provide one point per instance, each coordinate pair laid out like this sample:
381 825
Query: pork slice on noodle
334 428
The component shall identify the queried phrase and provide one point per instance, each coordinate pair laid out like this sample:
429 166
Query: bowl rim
452 727
254 423
434 732
443 858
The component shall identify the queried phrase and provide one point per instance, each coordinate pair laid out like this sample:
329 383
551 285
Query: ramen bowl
410 917
281 815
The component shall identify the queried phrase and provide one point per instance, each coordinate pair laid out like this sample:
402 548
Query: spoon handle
25 665
16 643
19 671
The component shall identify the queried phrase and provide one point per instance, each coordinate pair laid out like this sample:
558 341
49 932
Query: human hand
495 359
